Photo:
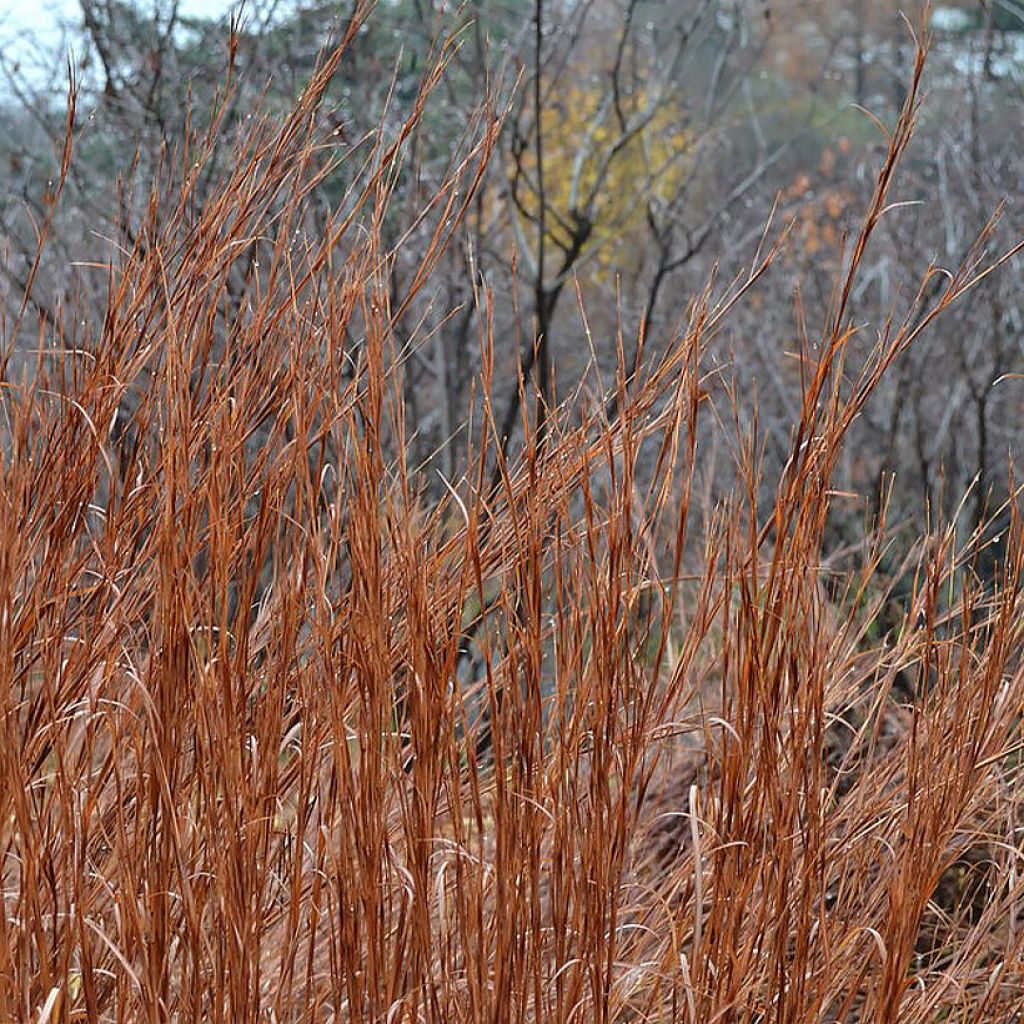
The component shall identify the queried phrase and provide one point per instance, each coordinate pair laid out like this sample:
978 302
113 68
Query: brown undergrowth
248 772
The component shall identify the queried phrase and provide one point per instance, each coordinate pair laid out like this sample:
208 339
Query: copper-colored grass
245 773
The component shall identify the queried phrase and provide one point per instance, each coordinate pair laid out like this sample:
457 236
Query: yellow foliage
605 169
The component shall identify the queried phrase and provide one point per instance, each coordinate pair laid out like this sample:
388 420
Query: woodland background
645 147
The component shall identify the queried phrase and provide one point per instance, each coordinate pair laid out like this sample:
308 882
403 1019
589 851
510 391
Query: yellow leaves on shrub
598 172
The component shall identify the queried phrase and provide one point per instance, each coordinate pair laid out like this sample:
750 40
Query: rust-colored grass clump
280 740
